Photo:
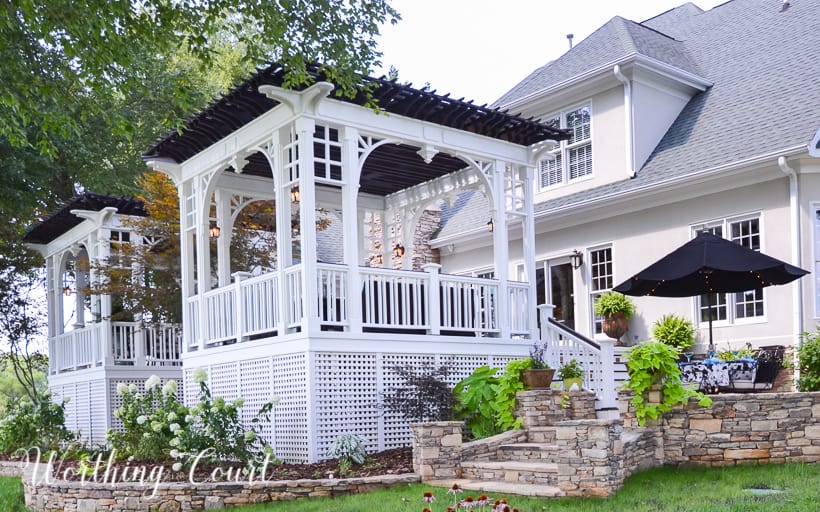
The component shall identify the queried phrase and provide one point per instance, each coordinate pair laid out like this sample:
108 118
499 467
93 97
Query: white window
733 307
571 159
601 280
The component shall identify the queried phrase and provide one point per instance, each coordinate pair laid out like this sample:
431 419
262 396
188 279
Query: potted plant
676 331
572 374
616 310
539 374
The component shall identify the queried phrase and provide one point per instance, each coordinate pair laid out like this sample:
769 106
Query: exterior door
555 280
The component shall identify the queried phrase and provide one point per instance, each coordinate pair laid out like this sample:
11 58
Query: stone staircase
561 450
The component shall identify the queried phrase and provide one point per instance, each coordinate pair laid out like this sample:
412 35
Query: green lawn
686 489
11 495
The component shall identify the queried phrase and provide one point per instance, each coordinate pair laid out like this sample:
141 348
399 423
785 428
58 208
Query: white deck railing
389 300
597 358
131 344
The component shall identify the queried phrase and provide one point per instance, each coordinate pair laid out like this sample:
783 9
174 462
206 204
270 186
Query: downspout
794 225
630 143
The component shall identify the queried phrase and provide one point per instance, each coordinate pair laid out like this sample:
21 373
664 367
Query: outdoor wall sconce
67 291
398 250
576 259
213 231
490 225
294 194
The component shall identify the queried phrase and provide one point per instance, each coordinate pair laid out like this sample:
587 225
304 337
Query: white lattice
256 384
223 380
98 414
291 414
396 430
345 398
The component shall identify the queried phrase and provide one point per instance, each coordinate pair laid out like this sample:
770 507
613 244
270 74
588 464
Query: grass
674 489
11 495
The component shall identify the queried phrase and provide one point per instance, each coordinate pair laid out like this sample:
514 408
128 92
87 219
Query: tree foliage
61 52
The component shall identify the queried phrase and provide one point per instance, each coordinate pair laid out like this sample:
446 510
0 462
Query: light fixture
576 259
379 259
294 194
67 291
490 225
398 250
213 231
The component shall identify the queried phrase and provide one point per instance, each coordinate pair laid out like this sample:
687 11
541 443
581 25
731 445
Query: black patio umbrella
709 264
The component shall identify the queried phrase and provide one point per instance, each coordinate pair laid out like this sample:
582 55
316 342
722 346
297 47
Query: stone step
520 472
498 490
544 452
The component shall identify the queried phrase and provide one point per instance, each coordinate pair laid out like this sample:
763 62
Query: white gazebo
349 290
90 352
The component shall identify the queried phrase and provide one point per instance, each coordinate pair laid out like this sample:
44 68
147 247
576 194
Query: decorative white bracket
300 102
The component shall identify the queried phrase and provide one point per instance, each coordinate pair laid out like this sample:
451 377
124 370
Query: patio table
713 373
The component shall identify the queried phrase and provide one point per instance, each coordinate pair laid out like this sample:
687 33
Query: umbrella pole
709 309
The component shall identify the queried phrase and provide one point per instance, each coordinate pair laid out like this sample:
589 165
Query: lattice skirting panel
85 408
323 395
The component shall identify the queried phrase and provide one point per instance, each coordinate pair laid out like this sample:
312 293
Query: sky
479 49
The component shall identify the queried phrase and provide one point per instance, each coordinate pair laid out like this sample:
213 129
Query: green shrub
349 449
30 425
475 397
652 363
158 428
421 395
486 403
808 362
675 331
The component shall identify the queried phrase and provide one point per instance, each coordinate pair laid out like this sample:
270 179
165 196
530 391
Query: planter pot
538 379
568 383
615 326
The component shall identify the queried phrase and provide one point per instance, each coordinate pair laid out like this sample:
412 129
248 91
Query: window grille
572 159
327 153
601 280
735 306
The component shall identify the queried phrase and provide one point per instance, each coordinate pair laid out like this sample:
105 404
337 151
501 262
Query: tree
58 52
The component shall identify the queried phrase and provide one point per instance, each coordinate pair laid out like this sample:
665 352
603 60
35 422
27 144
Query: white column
186 264
351 173
609 393
284 244
307 225
501 244
223 243
528 244
203 255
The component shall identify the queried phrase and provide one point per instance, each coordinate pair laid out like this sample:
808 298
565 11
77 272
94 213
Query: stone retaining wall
541 407
170 497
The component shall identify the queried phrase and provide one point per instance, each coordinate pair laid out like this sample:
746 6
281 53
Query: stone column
437 449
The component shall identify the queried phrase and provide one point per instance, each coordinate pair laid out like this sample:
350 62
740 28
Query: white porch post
223 243
203 263
501 253
528 245
433 298
51 297
351 172
609 394
105 305
307 225
186 264
284 244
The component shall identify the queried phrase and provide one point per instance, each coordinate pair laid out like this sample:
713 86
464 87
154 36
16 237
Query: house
90 350
323 327
692 120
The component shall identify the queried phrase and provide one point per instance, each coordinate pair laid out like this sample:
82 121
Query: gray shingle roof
616 39
765 67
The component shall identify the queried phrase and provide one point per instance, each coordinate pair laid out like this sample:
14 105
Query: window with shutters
571 159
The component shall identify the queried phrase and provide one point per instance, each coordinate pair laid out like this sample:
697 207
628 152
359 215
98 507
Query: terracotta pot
615 326
538 379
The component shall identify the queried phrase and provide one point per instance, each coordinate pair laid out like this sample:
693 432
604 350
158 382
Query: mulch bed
390 462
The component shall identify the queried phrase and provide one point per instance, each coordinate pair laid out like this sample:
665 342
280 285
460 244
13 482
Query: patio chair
769 361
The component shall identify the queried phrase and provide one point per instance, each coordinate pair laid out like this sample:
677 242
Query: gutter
630 136
636 192
794 227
